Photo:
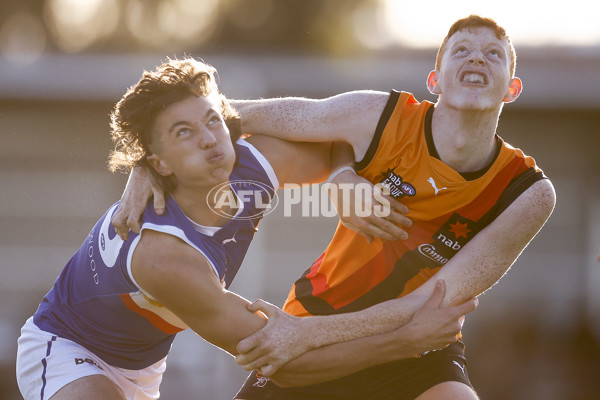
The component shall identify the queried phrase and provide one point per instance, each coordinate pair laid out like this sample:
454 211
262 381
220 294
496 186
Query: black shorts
399 380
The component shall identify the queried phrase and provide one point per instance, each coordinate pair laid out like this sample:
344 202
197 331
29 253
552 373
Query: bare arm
182 280
348 117
474 269
432 327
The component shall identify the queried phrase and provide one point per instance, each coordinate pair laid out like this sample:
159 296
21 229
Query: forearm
290 118
334 361
378 319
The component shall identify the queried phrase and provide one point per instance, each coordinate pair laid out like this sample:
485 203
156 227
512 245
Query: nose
476 57
206 139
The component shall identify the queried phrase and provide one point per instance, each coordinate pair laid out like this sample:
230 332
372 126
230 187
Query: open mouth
475 78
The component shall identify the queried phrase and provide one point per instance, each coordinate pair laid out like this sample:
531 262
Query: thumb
159 200
265 307
435 300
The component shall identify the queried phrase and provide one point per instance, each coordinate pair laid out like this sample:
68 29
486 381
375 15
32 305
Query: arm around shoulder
348 117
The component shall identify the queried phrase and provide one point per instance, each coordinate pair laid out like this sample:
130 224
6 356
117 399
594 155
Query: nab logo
227 198
455 233
395 186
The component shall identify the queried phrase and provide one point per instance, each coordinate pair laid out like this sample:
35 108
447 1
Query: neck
198 205
465 140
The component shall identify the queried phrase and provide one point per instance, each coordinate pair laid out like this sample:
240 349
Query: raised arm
348 117
183 281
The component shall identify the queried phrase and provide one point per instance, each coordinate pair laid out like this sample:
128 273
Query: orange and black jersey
447 209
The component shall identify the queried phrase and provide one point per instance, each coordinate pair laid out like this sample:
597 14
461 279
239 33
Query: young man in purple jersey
105 328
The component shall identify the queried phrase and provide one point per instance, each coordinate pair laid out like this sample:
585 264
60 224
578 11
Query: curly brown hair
134 115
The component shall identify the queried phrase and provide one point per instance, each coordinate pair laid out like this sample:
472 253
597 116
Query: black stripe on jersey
514 189
390 288
383 120
411 262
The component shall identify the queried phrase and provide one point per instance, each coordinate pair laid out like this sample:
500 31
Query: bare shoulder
294 162
161 261
539 198
157 246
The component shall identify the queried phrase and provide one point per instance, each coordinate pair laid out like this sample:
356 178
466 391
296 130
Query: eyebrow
185 122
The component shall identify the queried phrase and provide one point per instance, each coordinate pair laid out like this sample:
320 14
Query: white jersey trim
168 229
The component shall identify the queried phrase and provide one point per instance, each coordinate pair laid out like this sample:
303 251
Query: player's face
475 70
193 142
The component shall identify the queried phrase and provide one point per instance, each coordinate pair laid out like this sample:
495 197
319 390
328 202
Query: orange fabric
352 274
154 319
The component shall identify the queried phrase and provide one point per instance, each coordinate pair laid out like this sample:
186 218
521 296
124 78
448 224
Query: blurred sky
30 28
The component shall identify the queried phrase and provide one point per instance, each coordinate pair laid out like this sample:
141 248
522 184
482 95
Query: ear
514 90
159 165
432 83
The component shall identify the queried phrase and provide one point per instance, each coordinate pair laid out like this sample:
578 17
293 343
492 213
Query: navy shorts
399 380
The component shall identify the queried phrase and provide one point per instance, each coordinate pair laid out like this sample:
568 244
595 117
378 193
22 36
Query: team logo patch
448 240
395 185
261 380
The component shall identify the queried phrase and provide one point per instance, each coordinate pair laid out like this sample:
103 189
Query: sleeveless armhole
383 120
514 189
170 230
264 163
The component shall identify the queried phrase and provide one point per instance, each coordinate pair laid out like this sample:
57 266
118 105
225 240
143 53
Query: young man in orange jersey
475 203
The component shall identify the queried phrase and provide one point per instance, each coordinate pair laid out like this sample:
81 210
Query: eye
461 50
183 132
215 119
495 53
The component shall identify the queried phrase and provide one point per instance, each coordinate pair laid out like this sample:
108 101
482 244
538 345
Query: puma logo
231 239
432 182
461 367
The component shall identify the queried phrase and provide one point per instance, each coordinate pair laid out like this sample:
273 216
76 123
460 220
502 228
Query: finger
368 237
256 364
245 346
385 225
435 300
253 353
159 200
397 205
265 307
133 223
396 218
269 370
120 225
466 307
374 231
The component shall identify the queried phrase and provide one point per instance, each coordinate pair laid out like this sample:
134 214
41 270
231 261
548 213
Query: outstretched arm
432 327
